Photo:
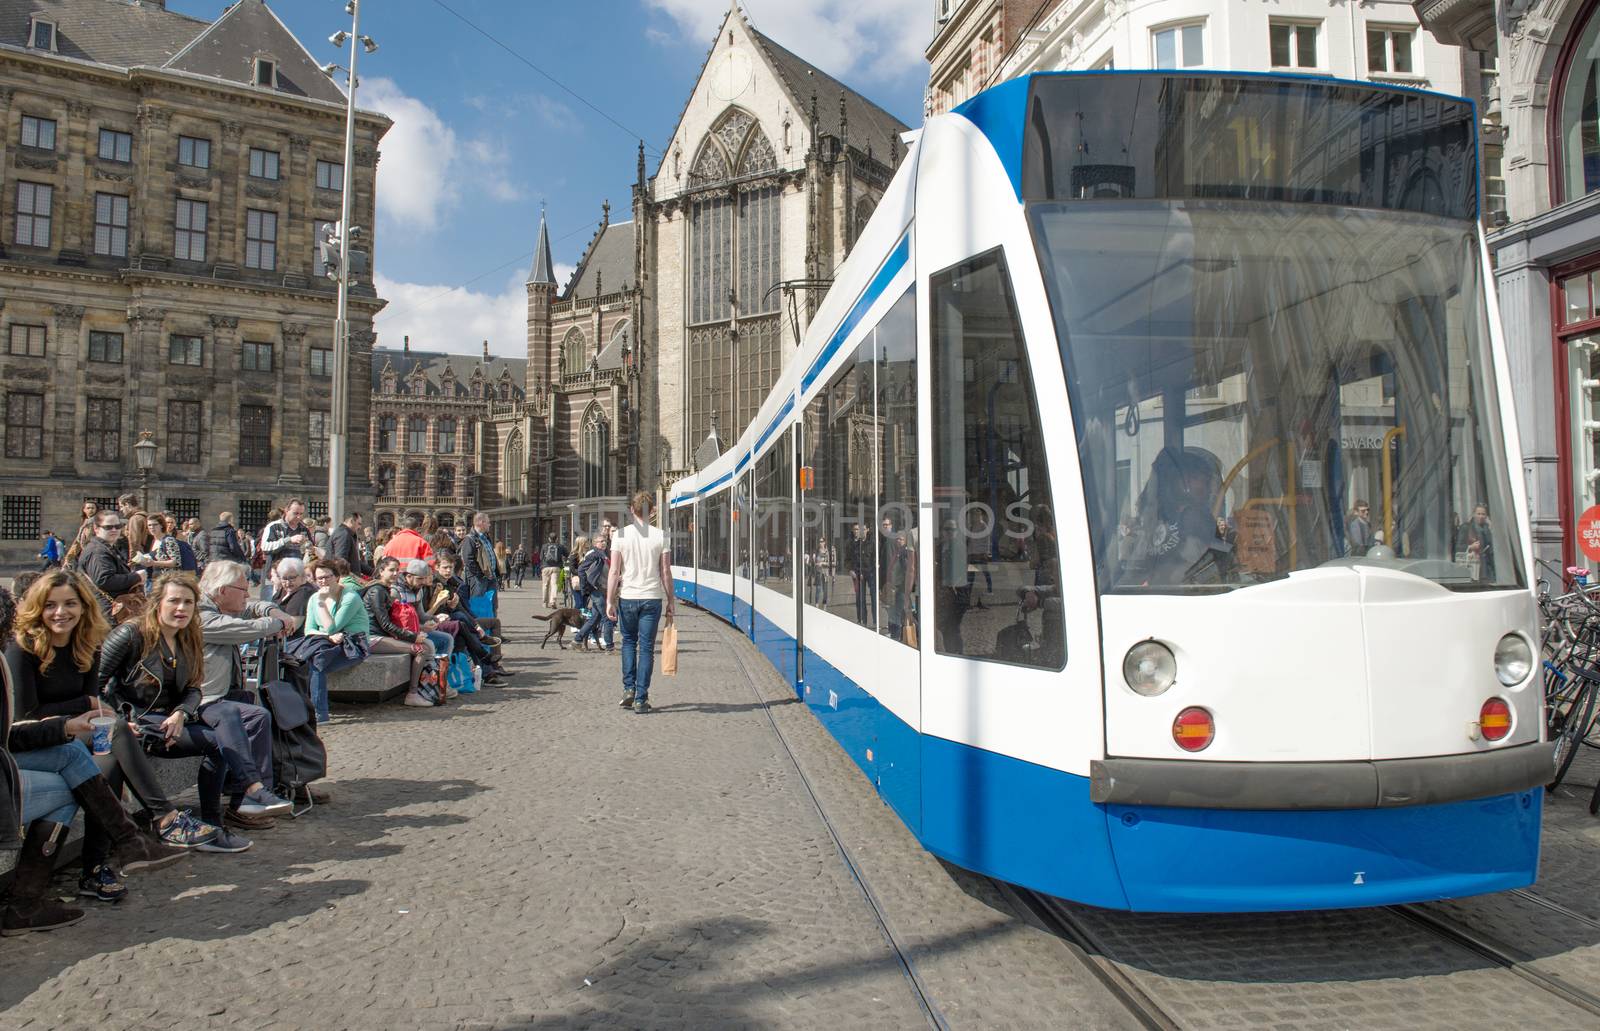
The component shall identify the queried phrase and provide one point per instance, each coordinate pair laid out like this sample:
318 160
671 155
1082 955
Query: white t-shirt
641 560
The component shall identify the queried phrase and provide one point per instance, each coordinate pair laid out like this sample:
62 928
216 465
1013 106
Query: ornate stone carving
261 190
193 182
115 177
232 130
146 317
68 315
78 109
44 162
294 332
367 156
152 117
224 322
299 142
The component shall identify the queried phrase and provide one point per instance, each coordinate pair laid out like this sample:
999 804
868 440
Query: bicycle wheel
1568 725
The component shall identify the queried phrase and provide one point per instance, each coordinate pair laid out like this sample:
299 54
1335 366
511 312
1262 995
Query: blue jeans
328 660
48 777
442 644
597 625
639 618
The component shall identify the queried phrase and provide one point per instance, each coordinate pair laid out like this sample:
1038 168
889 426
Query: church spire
543 273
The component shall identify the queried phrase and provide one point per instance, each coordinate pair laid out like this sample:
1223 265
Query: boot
30 908
132 850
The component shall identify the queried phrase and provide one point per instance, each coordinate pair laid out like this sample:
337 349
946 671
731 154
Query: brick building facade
163 179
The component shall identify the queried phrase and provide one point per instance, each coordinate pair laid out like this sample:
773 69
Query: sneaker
450 692
102 883
225 841
263 803
186 832
627 701
417 701
641 706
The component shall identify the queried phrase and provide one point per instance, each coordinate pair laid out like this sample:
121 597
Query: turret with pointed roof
543 273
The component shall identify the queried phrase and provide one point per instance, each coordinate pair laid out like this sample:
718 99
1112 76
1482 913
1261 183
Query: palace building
164 180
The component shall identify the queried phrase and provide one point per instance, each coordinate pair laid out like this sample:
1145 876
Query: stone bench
377 678
177 777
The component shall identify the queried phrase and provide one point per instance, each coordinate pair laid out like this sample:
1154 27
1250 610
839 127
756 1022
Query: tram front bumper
1385 783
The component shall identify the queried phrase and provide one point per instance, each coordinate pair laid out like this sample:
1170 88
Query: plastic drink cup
100 727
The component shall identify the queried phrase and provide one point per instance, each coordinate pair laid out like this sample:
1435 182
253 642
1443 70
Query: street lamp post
340 414
144 456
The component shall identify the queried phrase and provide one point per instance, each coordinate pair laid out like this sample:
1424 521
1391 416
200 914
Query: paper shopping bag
669 651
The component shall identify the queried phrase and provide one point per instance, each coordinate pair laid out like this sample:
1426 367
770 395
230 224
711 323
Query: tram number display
1589 533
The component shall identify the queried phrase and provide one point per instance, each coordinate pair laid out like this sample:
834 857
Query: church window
574 353
596 453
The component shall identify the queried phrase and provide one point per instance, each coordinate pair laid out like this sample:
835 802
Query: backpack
298 754
404 615
186 559
551 554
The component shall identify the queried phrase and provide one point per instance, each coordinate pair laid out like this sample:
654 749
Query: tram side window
682 541
774 483
713 532
896 427
742 518
839 508
997 590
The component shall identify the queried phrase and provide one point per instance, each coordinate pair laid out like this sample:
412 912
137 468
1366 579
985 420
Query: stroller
298 754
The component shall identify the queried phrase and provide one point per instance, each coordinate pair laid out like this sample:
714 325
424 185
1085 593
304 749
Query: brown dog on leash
559 621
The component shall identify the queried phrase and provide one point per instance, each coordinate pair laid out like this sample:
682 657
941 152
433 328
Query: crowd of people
133 646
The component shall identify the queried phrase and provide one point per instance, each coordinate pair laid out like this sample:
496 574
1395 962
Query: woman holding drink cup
53 658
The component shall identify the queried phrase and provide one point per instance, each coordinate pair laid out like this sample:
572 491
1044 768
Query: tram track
902 955
1139 994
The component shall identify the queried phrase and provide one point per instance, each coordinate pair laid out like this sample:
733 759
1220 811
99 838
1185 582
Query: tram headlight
1150 668
1513 660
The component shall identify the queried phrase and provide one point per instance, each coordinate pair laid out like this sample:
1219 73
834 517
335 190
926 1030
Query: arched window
416 434
1580 116
445 481
574 353
385 520
596 453
514 470
445 518
505 390
385 481
623 334
388 426
447 435
416 481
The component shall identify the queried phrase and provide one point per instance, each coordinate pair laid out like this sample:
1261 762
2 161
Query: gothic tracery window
734 265
574 353
596 453
514 470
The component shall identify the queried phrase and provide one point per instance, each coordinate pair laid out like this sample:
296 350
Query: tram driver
1177 536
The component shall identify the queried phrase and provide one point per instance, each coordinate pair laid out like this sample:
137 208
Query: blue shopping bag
482 606
461 674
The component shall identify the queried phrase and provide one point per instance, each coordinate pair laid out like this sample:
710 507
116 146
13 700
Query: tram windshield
1262 386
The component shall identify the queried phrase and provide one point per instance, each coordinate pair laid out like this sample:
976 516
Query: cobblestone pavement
533 857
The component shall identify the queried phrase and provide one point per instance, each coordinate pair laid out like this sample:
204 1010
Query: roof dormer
41 34
264 70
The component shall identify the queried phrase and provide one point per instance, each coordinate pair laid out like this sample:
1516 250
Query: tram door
744 556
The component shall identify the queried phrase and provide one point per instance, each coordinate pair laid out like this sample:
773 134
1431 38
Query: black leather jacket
107 568
378 600
128 675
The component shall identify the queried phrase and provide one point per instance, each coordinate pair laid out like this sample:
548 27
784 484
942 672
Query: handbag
404 616
669 649
482 606
909 635
428 684
461 674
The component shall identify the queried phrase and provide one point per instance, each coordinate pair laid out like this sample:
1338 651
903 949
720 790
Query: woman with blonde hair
53 658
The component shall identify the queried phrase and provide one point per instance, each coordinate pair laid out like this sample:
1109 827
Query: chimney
486 350
406 346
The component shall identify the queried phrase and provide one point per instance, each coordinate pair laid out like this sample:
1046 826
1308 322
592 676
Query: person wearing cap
419 575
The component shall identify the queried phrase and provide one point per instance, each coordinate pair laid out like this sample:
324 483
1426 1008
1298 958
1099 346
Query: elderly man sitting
228 619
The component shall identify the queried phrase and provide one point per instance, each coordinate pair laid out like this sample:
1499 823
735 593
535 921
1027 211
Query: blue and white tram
1138 514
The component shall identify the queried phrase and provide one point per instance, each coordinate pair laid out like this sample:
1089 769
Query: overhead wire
1022 38
579 97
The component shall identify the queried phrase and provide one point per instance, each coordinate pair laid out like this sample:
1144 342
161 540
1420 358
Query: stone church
677 322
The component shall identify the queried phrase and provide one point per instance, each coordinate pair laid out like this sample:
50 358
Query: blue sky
480 138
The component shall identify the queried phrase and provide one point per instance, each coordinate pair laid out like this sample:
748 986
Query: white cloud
427 169
874 41
439 318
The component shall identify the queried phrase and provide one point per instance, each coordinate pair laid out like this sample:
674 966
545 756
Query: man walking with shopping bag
638 591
